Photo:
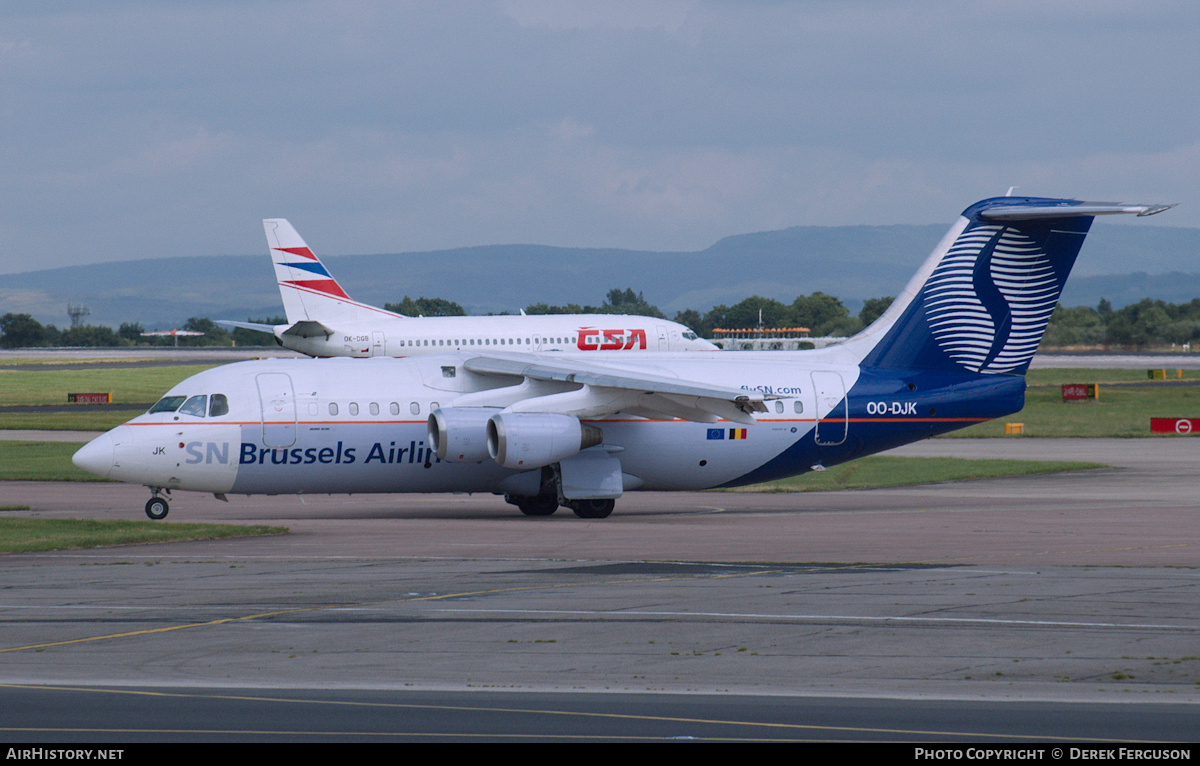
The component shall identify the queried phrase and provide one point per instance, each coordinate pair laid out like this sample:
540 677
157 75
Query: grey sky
149 129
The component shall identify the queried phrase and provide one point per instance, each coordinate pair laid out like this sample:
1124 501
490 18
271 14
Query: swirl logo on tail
990 298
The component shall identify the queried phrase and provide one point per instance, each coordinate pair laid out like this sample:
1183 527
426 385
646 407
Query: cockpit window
218 406
689 335
196 406
168 404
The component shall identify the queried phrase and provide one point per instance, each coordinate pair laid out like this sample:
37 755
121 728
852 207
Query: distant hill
1123 263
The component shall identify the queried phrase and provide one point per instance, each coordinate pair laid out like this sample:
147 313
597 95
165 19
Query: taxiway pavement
1069 586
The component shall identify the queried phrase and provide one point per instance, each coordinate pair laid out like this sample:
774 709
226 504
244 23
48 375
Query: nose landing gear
157 506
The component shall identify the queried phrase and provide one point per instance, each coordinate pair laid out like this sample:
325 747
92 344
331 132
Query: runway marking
1078 551
299 610
489 709
838 617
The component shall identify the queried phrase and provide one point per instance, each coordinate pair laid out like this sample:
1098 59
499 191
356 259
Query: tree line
23 331
822 314
1138 325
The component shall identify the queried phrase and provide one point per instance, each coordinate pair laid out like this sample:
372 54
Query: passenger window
394 408
798 406
168 404
433 406
779 407
196 406
353 408
333 410
218 406
414 408
374 408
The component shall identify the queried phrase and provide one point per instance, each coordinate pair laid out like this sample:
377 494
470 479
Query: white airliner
322 320
546 430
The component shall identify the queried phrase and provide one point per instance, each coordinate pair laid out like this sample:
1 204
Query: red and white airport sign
1078 391
1181 426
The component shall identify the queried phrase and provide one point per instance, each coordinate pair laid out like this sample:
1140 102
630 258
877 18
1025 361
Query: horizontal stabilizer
267 328
1069 209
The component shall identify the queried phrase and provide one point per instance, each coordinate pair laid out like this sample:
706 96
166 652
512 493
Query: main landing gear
546 502
541 505
157 506
546 506
592 509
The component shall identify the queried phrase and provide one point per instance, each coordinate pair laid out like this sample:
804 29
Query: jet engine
534 439
459 434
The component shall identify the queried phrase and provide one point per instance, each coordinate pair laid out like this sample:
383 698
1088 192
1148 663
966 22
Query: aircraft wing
591 389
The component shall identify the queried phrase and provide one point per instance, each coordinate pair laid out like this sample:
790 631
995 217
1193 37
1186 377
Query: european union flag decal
716 433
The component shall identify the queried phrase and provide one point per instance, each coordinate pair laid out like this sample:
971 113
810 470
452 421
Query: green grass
66 421
131 384
26 360
881 471
1119 412
24 535
40 461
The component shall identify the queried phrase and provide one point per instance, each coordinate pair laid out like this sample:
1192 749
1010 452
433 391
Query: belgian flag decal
737 433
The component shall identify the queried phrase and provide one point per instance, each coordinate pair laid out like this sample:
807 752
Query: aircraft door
278 409
663 343
830 389
377 345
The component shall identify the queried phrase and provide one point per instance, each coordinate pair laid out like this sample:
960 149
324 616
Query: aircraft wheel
157 508
593 509
538 506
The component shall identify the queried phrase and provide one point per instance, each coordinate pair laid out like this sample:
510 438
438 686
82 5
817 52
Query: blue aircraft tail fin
982 299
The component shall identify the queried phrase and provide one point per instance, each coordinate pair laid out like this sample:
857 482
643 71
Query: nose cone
97 456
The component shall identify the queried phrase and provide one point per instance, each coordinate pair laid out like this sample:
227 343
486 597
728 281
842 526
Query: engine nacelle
534 439
459 434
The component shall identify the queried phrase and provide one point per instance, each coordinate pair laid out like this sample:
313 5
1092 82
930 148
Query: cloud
137 129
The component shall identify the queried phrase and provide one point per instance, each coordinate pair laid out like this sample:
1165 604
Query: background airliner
322 320
547 430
